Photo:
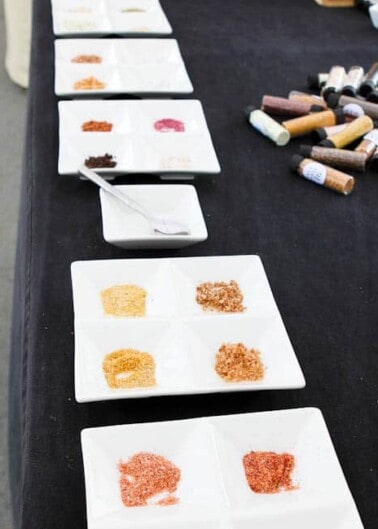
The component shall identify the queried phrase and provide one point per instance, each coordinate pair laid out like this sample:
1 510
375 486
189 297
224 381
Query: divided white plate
128 66
213 491
134 141
125 228
181 337
103 17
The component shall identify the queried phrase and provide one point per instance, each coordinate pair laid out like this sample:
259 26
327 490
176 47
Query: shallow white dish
127 229
80 18
128 66
134 142
182 339
213 491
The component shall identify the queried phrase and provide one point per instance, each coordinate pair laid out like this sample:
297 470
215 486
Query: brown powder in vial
128 368
89 83
88 59
96 126
269 472
100 162
124 300
220 296
237 363
147 475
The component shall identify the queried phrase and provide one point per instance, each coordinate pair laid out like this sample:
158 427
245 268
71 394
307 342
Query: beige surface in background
18 37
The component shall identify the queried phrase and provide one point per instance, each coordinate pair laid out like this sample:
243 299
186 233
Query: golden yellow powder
237 363
124 300
128 368
89 83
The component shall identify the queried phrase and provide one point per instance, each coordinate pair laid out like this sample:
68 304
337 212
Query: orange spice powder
220 296
96 126
237 363
269 472
128 368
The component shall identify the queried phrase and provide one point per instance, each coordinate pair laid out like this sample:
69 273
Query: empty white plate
168 138
131 66
103 17
127 229
212 491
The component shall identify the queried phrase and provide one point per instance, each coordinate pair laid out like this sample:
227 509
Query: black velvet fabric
320 251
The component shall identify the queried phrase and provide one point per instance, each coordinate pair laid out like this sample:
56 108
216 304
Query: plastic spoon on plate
159 224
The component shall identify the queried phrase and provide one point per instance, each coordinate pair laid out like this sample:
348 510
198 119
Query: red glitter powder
268 472
169 125
147 475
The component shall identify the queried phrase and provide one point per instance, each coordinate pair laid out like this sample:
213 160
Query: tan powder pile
87 59
269 472
147 475
128 368
124 300
220 296
89 83
237 363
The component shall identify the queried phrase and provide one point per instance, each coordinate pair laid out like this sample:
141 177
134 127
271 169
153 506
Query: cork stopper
319 134
333 100
248 110
316 108
340 116
349 91
295 161
326 143
373 96
305 151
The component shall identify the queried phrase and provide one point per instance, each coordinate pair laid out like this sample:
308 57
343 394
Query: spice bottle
370 81
352 160
306 124
322 174
352 132
317 81
370 109
295 95
369 144
267 126
335 81
353 81
287 107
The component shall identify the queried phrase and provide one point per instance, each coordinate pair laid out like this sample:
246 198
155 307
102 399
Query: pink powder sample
169 125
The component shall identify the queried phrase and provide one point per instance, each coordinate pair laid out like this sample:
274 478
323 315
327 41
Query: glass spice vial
352 132
335 81
370 81
322 174
351 160
369 144
353 81
306 124
267 126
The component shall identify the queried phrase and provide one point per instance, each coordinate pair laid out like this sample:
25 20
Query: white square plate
182 339
128 66
213 492
80 18
125 228
135 141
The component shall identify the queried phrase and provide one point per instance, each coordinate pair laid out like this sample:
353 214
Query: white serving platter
134 142
213 491
142 67
81 18
123 227
182 339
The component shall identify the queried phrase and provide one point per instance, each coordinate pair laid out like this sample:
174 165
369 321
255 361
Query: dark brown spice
99 162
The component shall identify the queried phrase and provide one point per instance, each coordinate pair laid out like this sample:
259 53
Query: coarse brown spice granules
237 363
128 368
124 300
145 476
96 126
220 296
89 83
269 472
88 59
100 162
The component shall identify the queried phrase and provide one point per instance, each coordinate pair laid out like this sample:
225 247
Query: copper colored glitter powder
88 59
220 296
145 476
236 363
124 300
97 126
128 368
269 472
89 83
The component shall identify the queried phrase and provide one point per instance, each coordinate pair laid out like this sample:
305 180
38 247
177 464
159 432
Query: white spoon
159 224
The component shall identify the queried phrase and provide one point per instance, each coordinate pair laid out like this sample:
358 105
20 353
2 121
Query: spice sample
133 10
128 368
269 472
89 59
79 25
266 125
169 125
97 126
145 476
100 162
124 300
89 83
220 296
237 363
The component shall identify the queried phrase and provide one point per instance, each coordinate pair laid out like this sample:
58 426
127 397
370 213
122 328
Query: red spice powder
169 125
146 475
269 472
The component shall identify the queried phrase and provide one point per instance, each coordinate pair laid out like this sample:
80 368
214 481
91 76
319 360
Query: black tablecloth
320 251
